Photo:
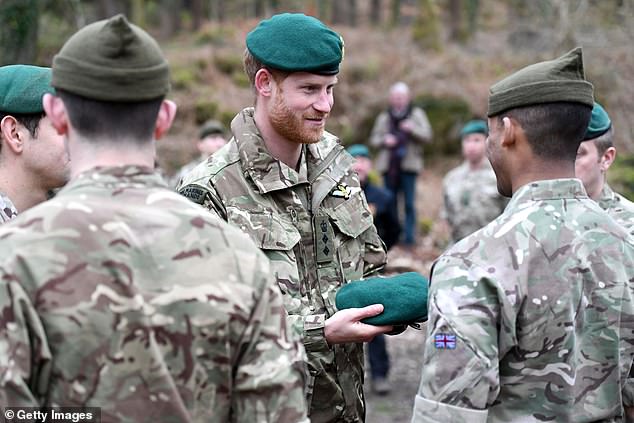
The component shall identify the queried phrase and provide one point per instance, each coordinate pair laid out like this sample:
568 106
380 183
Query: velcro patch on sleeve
194 193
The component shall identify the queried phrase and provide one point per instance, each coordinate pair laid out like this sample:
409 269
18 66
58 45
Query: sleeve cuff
428 411
314 337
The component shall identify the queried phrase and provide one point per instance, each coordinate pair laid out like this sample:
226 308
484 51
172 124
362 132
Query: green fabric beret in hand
22 88
294 42
599 124
404 298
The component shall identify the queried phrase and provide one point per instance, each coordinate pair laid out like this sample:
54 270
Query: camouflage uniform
315 226
620 208
186 169
471 199
531 318
7 209
121 294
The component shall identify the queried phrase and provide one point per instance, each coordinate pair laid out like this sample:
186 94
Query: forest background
448 51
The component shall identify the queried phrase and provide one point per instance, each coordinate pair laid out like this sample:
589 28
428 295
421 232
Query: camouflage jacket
315 226
471 199
620 208
531 318
7 209
121 294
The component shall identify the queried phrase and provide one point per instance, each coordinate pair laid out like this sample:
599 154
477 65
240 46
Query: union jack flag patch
445 341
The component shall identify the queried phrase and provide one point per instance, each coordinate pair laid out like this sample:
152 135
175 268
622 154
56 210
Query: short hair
553 130
253 65
114 120
31 121
604 141
400 87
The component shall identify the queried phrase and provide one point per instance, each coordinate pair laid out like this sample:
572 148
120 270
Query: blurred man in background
595 156
470 196
399 133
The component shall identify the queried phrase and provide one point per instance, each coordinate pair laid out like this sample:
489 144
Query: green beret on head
112 60
22 88
599 124
474 127
357 150
294 42
552 81
404 298
211 127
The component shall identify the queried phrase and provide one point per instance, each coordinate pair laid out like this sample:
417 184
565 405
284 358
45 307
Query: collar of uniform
268 173
7 208
549 189
114 176
606 200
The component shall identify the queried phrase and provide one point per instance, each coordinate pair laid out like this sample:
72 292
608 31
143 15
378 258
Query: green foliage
426 30
18 31
447 116
367 71
240 78
621 175
228 63
226 116
205 110
425 225
214 35
183 78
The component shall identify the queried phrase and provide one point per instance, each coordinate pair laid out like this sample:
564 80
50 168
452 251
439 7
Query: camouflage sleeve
460 375
271 374
375 253
204 196
24 353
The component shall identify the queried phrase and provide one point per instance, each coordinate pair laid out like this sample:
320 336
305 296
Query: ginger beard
296 126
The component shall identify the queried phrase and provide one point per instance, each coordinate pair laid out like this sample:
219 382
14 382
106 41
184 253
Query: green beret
552 81
404 298
474 127
112 60
22 88
294 42
211 127
599 124
357 150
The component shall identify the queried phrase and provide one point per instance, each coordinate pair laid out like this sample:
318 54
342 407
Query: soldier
211 138
531 318
400 132
471 198
290 186
595 156
33 159
121 294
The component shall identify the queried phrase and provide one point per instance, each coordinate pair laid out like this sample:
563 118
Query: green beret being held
404 298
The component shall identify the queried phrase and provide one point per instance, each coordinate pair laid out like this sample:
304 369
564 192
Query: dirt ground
406 350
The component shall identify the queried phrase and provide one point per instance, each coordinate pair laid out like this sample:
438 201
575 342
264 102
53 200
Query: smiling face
300 104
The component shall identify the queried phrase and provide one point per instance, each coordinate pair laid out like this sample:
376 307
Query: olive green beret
474 127
404 298
112 60
357 150
211 127
294 42
599 124
552 81
22 88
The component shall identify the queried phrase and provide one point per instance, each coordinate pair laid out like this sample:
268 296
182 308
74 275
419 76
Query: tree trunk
395 9
375 12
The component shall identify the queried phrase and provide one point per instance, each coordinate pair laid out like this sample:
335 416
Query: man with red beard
290 186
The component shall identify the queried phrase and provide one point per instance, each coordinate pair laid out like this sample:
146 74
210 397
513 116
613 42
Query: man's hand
345 326
390 140
406 125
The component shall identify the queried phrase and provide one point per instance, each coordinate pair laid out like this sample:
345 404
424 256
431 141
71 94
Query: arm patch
194 193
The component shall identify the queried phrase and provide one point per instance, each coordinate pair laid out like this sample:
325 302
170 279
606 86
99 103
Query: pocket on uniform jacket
266 230
352 217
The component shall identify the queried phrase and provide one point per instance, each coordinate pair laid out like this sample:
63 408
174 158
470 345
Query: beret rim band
541 92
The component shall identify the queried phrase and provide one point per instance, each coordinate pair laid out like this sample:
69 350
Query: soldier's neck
284 150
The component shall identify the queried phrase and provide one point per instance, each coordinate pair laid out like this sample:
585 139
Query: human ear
10 133
165 118
263 82
56 112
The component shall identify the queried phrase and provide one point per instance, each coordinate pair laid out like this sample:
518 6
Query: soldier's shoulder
213 166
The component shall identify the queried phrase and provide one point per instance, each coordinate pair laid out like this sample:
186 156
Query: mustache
317 116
